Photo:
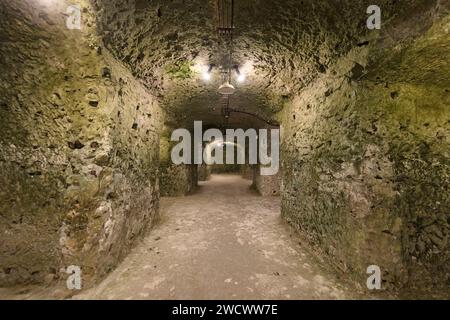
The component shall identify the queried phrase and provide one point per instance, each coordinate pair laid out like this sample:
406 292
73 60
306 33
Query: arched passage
87 116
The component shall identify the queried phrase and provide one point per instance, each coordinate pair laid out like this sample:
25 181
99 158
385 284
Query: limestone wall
78 148
366 164
204 172
175 180
178 180
266 185
247 171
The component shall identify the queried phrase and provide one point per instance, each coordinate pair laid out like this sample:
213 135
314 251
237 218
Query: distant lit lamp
240 76
207 74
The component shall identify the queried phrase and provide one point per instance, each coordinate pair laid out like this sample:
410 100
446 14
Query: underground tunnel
351 97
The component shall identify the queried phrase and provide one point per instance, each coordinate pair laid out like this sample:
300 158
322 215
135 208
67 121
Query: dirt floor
223 242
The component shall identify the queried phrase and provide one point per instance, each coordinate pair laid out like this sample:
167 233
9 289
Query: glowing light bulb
207 73
206 76
241 77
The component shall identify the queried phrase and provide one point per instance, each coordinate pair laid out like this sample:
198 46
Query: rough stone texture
175 180
225 168
281 45
267 264
266 185
178 180
79 148
194 262
366 167
364 116
204 172
247 172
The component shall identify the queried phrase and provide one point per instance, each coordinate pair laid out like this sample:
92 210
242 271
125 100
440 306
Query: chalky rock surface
79 149
86 118
365 156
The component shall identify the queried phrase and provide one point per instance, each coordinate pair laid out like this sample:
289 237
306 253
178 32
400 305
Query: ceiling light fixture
240 76
207 74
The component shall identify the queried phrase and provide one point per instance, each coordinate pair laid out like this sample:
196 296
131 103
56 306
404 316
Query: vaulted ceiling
281 46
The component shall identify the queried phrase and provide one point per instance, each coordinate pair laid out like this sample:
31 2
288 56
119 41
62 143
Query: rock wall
178 180
266 185
247 171
79 151
366 164
204 172
175 180
226 168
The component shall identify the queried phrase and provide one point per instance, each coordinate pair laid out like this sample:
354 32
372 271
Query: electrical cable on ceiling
225 13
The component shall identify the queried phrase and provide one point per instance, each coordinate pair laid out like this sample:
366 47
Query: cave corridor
115 162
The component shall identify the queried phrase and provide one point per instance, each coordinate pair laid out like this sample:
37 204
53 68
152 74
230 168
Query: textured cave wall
373 196
366 164
247 171
282 46
178 180
175 180
204 172
226 168
267 185
79 148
